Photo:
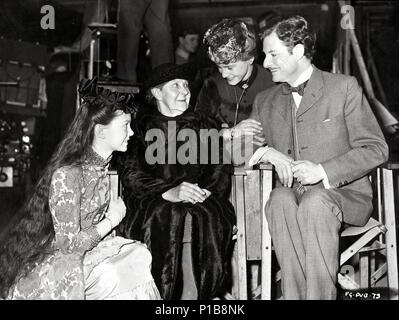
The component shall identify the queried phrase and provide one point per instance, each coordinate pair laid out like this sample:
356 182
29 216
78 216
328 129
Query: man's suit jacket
334 126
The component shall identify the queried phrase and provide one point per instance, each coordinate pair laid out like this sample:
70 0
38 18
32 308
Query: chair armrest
242 170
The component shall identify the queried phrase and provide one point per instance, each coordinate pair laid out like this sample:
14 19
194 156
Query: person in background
135 18
323 139
186 52
228 95
179 207
133 15
187 46
62 247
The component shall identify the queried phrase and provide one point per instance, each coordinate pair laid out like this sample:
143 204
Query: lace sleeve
64 201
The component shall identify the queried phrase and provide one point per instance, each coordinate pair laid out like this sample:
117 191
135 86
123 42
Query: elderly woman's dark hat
167 72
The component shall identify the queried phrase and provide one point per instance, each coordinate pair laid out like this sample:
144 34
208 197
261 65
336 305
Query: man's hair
184 32
292 31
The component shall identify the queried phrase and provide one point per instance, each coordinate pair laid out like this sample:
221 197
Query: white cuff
326 183
226 134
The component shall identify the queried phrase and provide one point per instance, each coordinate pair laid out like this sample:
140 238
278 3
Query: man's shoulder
337 78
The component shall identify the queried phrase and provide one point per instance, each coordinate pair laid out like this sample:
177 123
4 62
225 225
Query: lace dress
82 265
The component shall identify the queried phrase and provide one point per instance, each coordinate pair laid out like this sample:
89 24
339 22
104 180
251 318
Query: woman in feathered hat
229 94
177 204
62 246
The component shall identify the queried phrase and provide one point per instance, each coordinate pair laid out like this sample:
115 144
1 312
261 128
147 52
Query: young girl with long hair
63 247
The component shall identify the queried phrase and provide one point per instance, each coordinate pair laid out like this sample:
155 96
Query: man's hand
307 172
186 192
259 140
281 162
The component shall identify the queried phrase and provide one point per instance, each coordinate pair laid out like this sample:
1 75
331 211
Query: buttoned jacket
334 126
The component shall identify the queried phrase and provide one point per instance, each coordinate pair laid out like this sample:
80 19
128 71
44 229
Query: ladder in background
341 64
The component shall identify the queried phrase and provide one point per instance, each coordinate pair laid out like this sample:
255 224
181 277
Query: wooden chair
250 192
116 186
249 224
376 238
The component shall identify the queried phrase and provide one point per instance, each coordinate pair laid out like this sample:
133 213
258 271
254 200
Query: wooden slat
241 245
250 191
354 248
390 235
253 222
364 269
377 275
114 182
267 184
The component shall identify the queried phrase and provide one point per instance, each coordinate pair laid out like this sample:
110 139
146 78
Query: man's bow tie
287 89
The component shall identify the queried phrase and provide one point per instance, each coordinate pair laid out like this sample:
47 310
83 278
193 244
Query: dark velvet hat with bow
91 93
168 72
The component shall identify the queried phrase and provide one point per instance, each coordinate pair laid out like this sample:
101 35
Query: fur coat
160 223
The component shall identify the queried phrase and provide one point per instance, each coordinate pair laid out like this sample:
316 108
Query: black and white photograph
202 158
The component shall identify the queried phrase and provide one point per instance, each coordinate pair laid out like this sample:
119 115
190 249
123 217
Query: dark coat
160 223
219 99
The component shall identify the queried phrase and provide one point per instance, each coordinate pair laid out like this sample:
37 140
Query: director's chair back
250 191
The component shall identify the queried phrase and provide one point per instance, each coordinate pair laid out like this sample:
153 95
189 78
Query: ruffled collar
93 158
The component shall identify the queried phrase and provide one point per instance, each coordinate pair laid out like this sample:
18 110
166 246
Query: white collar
304 76
182 53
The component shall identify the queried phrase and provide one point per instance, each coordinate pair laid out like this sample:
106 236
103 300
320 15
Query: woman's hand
186 192
247 127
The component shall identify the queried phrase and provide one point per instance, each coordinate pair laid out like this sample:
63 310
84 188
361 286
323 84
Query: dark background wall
375 25
322 15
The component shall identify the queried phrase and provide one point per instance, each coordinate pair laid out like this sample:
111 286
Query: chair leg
372 265
241 239
254 272
364 270
234 272
390 235
266 251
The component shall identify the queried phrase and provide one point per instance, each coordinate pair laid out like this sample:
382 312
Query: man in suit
323 140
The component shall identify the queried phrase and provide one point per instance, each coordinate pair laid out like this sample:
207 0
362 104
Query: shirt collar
182 53
93 158
305 76
250 79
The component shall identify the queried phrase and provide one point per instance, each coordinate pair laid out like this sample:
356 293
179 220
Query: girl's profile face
118 132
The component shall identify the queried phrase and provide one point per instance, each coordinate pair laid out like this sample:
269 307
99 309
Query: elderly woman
178 205
229 94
